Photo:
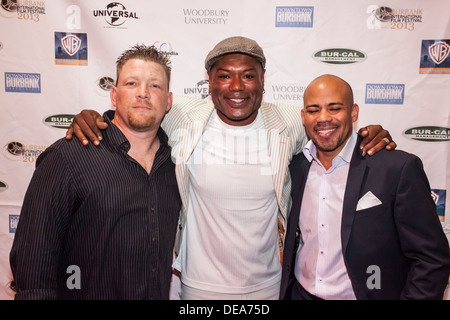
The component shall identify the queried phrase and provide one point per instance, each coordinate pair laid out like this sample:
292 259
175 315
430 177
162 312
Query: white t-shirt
230 241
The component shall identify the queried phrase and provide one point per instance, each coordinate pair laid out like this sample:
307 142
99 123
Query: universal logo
201 89
428 134
339 56
115 14
61 121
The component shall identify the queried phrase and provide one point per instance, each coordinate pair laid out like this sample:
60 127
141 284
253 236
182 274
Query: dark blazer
403 236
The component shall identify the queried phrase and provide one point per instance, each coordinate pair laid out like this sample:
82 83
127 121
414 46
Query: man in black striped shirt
99 222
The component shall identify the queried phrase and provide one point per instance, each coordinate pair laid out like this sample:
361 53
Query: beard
141 122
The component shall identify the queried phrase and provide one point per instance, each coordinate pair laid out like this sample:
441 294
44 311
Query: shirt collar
310 150
118 139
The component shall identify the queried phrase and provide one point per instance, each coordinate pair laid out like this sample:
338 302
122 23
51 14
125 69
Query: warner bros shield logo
439 51
71 48
71 44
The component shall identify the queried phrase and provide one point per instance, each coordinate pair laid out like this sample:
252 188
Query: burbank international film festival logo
71 48
382 17
18 151
24 10
434 57
103 85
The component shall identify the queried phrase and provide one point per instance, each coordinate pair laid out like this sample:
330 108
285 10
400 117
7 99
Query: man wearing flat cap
232 154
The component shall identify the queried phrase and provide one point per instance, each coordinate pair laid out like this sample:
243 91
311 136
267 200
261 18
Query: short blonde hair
147 53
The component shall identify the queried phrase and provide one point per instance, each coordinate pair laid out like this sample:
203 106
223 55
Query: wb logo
439 51
71 44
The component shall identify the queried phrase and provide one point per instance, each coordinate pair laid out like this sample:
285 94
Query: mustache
142 104
324 124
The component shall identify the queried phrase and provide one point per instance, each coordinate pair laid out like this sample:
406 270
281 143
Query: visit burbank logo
13 222
294 17
378 93
22 82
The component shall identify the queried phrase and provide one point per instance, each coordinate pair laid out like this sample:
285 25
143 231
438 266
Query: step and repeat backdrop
57 57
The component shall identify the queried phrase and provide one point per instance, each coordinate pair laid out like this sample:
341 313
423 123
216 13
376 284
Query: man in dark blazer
386 241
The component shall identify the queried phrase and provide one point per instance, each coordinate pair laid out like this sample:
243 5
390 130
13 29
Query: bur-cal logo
339 56
61 121
428 133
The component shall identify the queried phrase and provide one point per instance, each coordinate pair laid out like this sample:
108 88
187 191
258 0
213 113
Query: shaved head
327 80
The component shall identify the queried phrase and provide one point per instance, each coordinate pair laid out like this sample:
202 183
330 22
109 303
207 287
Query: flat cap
235 45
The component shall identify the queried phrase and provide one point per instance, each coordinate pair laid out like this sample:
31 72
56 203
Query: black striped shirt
96 208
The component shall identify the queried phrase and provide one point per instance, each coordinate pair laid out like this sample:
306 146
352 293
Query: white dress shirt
320 267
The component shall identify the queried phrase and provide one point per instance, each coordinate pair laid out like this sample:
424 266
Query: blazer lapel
355 177
278 146
299 173
190 133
